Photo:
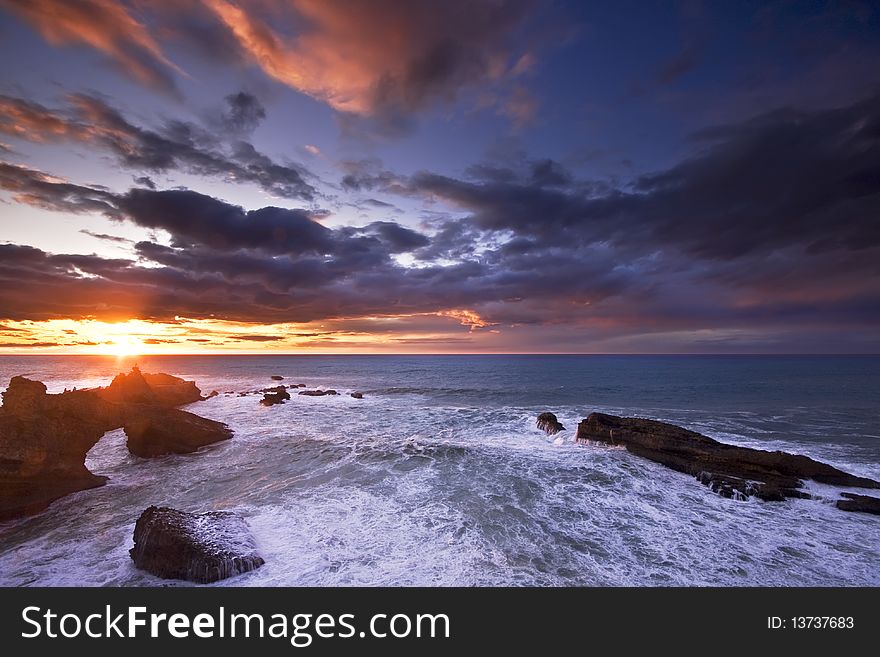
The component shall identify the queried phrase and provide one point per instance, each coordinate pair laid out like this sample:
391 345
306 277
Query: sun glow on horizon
410 332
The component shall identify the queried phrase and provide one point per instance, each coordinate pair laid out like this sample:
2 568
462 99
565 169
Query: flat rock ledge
196 547
730 471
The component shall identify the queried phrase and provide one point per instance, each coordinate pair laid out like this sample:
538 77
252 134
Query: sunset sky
424 176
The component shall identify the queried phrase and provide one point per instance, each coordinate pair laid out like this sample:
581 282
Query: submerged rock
276 377
731 471
863 503
548 423
172 431
297 385
198 547
357 395
318 393
44 438
273 396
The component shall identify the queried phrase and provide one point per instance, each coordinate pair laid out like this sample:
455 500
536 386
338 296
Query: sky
414 176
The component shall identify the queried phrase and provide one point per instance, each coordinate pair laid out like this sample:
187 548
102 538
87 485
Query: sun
125 345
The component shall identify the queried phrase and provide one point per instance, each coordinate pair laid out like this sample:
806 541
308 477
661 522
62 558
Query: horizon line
463 353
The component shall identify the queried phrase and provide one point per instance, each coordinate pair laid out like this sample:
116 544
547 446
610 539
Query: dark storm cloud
771 222
40 190
193 218
243 113
399 238
782 179
175 146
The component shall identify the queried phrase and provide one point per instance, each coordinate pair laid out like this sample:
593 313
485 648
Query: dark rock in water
274 396
212 394
276 377
44 438
731 471
548 423
357 395
198 547
297 385
172 431
318 393
864 503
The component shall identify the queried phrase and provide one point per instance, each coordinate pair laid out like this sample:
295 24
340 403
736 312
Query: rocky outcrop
318 393
548 423
155 389
274 396
198 547
357 395
43 444
44 438
731 471
863 503
172 431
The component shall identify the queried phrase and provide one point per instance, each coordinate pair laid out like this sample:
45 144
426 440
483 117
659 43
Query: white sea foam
451 490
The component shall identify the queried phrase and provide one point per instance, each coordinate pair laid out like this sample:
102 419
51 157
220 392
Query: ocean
439 476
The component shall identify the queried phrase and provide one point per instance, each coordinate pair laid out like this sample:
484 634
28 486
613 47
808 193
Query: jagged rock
172 431
731 471
44 438
276 377
548 423
357 395
274 396
139 388
863 503
318 393
198 547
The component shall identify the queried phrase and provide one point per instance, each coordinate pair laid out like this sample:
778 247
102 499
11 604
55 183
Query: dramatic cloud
771 224
382 56
175 146
105 25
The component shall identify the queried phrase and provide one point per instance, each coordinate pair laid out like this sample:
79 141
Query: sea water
439 476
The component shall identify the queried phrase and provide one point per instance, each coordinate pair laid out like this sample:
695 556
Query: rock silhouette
273 396
44 438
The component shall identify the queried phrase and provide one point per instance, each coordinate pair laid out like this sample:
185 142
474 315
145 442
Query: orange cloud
364 57
104 25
